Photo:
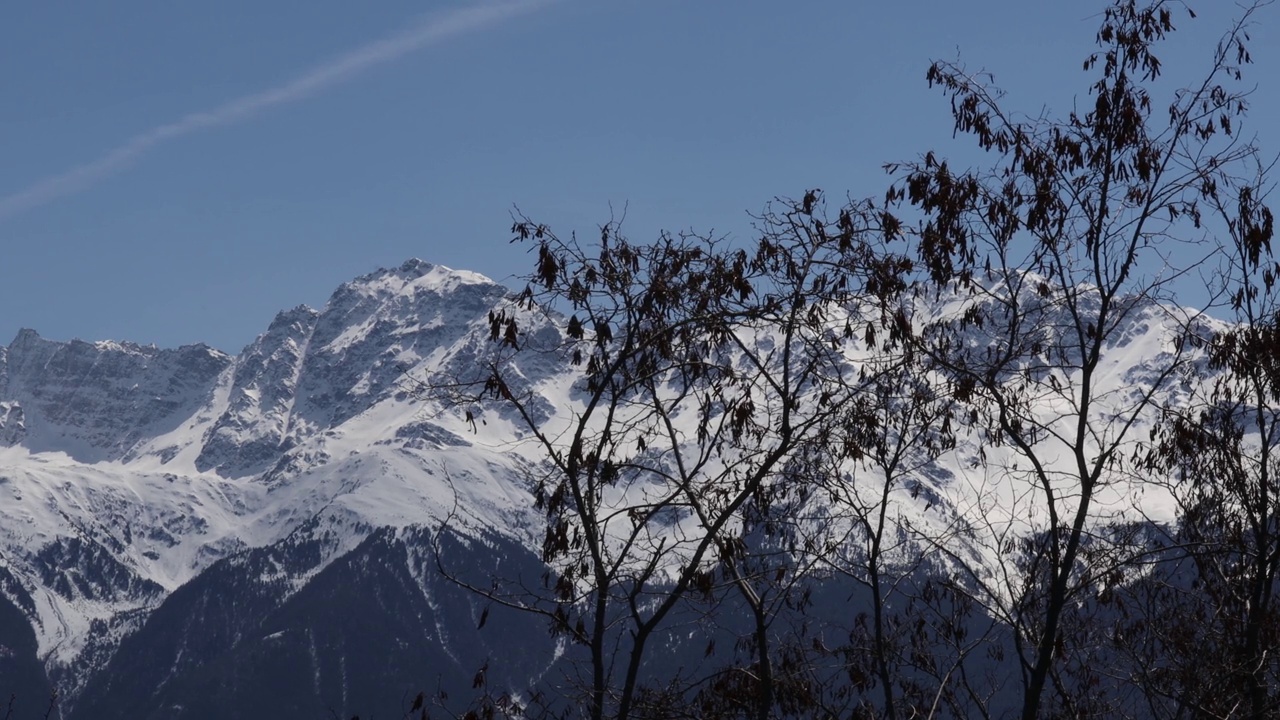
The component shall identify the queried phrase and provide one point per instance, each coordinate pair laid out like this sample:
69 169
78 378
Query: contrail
427 31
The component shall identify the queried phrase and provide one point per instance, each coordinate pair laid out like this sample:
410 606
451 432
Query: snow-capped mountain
185 533
127 472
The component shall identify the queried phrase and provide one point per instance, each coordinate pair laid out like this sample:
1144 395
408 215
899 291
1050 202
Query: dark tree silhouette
702 372
1222 448
721 393
1053 252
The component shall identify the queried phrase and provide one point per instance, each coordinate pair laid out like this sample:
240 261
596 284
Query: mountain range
190 534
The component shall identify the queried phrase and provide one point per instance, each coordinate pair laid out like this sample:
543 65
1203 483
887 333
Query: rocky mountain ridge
126 471
179 524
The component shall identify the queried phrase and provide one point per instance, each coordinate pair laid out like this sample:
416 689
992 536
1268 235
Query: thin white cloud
426 32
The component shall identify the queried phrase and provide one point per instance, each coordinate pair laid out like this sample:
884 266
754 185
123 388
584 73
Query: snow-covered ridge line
151 464
127 471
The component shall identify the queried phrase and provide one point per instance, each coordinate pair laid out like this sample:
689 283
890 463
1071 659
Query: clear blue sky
339 137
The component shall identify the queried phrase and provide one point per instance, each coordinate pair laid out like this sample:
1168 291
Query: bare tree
700 372
1223 447
901 424
717 390
1046 261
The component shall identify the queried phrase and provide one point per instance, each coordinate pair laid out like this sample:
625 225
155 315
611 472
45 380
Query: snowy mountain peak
125 470
139 484
298 317
412 277
24 336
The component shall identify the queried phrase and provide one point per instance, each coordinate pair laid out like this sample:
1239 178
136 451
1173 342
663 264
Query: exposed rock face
314 370
13 424
250 433
375 328
96 401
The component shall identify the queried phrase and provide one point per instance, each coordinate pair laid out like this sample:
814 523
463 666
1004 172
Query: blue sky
178 172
